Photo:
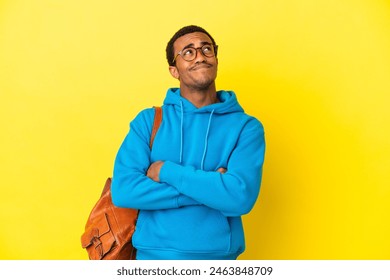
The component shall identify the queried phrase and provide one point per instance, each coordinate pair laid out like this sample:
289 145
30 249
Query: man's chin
203 86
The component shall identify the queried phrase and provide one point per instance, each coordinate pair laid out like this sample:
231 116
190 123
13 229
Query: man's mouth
200 66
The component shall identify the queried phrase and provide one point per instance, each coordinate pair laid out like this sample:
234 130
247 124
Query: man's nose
200 57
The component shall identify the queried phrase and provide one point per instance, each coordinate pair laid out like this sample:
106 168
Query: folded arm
131 188
234 192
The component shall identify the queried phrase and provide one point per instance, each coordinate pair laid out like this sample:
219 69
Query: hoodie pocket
197 229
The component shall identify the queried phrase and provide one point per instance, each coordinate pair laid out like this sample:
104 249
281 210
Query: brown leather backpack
109 229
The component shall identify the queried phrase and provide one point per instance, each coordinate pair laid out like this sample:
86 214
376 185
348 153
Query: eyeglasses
190 53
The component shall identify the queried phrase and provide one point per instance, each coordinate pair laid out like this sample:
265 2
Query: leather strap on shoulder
156 124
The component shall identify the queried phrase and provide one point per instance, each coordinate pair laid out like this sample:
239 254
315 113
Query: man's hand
154 170
222 170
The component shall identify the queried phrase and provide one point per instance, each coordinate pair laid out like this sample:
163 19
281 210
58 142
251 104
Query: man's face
200 73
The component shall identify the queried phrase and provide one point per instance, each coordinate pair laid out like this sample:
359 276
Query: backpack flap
98 240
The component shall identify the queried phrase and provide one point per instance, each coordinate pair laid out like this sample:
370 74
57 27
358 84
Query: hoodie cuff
172 174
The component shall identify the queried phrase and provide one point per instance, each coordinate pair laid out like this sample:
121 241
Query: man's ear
174 72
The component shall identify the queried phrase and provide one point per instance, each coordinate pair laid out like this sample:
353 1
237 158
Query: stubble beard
203 85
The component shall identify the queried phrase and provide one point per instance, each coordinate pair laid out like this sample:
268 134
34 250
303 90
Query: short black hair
183 31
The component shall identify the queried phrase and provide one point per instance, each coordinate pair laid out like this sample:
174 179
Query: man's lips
200 66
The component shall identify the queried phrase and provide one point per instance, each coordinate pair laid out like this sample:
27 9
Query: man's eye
188 52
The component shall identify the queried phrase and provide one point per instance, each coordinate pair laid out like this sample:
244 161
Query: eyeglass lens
190 53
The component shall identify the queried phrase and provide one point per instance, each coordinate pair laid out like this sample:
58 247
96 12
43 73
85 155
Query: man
204 170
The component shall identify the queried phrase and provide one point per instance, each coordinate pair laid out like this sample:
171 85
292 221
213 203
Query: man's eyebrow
189 45
202 43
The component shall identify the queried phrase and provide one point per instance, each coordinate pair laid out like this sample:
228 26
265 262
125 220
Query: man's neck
200 98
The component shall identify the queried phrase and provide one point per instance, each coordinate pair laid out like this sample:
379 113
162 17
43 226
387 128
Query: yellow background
316 73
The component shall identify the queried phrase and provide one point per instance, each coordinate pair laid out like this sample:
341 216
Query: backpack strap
156 124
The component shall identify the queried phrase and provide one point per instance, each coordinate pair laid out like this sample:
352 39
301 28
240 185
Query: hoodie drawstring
181 131
206 140
182 136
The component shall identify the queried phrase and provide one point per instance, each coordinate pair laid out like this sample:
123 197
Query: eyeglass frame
215 49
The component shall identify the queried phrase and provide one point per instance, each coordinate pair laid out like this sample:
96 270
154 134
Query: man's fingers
221 170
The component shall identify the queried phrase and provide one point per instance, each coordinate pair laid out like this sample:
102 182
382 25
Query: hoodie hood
228 103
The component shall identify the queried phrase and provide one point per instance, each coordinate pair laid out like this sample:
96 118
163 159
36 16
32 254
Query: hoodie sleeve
131 188
233 193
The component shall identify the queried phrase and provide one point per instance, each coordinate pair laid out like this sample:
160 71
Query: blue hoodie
194 212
